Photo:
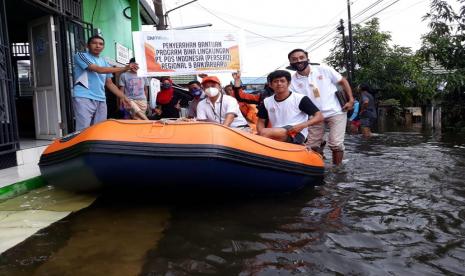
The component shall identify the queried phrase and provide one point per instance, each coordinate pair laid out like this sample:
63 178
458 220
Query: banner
186 52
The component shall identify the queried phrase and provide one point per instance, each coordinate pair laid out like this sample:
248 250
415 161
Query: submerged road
396 207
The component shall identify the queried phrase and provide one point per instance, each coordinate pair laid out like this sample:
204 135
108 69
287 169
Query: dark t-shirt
169 110
370 112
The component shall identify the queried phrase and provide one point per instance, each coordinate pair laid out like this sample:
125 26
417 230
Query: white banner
187 52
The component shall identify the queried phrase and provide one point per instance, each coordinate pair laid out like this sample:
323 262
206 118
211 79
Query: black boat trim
178 151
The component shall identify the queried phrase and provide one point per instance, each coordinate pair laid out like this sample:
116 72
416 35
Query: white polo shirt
286 112
320 87
217 113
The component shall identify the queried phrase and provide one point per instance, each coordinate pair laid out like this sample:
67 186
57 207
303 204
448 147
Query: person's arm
316 117
118 100
228 119
262 117
237 78
118 93
111 70
201 113
346 87
240 95
260 125
231 109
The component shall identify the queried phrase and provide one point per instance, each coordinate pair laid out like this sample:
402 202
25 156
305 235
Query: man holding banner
92 74
218 107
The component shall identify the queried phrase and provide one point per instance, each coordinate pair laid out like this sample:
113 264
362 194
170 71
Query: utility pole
351 45
344 44
158 4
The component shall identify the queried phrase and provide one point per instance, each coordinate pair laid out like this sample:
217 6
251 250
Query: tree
395 71
444 51
370 48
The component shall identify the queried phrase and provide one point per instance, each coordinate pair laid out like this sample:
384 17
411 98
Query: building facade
38 39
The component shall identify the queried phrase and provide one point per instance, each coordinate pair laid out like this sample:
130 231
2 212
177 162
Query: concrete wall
114 26
432 117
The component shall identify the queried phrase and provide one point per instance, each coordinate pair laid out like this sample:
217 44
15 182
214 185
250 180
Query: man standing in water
92 74
318 82
367 110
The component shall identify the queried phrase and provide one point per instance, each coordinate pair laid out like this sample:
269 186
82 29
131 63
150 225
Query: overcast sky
274 27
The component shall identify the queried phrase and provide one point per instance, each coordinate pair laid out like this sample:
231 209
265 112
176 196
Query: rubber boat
177 156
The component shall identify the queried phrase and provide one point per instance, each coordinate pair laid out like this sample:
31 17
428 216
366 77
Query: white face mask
212 92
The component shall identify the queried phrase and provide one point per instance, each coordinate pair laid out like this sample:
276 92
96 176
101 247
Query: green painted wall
108 17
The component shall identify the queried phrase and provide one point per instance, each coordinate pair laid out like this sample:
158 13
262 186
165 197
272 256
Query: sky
272 28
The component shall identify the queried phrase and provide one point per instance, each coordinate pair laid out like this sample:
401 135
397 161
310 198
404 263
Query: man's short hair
193 82
95 37
297 50
132 60
279 74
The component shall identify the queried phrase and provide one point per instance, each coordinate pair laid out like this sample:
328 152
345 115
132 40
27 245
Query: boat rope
185 121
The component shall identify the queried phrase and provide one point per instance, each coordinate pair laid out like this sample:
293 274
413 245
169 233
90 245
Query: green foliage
444 50
390 102
395 71
394 108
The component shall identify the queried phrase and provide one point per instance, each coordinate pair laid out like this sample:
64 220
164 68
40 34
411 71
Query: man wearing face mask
197 93
319 83
219 108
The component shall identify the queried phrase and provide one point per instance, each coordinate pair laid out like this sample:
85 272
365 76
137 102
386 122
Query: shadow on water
396 207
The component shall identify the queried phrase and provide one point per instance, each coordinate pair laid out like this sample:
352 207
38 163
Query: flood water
396 207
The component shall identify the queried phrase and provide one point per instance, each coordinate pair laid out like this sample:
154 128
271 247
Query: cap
211 78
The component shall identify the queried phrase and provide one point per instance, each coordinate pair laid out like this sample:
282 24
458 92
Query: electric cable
93 12
315 44
246 30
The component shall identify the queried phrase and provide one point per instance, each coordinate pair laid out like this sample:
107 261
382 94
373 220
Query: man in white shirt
290 114
319 83
219 108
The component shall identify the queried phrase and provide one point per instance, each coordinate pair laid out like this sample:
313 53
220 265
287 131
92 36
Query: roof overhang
147 12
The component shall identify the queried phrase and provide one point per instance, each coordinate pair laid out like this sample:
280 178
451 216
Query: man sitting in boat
217 107
196 92
290 114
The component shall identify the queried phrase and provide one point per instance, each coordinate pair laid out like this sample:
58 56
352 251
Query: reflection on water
107 239
24 215
397 207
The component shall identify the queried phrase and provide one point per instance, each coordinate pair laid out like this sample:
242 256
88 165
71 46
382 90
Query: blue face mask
196 92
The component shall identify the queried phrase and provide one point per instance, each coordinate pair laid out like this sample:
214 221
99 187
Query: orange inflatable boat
177 156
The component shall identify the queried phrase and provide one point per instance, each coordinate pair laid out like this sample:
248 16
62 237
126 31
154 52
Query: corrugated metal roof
183 80
253 80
